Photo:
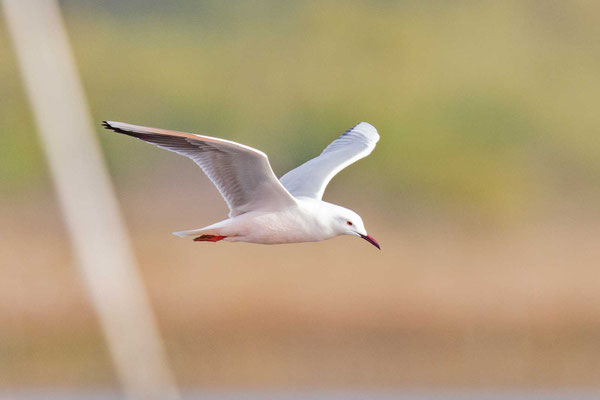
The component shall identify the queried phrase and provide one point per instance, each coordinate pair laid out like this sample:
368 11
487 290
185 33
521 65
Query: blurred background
483 192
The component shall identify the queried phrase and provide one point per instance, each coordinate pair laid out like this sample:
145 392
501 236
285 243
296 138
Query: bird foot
209 238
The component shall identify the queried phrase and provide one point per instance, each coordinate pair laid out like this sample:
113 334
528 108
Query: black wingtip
108 126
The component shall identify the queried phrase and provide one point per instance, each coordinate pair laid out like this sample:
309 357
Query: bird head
347 222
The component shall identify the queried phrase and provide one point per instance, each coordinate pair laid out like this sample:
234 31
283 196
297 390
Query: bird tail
193 232
214 229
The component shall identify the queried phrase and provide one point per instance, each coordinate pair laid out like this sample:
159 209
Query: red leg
209 238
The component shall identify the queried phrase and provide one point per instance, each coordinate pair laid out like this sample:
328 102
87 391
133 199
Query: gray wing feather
242 174
311 178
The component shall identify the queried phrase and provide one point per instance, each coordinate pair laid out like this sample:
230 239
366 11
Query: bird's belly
272 228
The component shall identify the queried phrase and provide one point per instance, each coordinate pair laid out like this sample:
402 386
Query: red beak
371 240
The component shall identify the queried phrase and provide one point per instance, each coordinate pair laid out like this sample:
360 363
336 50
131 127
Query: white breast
303 223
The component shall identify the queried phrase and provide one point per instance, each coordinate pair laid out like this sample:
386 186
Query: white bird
262 208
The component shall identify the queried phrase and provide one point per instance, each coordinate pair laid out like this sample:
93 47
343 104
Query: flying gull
264 209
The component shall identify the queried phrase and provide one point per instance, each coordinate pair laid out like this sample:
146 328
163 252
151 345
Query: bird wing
242 174
311 178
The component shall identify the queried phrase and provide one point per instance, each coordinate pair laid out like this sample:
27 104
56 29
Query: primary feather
242 174
311 178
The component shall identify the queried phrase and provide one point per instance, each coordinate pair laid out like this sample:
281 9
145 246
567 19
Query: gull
264 209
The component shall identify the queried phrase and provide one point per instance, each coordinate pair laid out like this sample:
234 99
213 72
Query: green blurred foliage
484 108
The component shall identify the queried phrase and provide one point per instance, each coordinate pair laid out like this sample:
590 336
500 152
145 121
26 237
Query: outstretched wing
311 178
242 174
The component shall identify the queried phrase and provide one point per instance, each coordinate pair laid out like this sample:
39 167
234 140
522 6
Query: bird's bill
371 240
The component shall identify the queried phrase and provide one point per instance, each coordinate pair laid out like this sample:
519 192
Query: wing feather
311 178
241 173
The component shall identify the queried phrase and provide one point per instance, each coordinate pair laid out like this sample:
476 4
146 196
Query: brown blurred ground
440 305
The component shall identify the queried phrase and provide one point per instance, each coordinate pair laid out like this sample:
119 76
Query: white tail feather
214 229
193 232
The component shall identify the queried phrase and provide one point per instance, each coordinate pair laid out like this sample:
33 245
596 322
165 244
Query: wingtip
365 125
367 129
111 125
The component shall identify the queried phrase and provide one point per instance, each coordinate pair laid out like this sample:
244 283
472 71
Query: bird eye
349 223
